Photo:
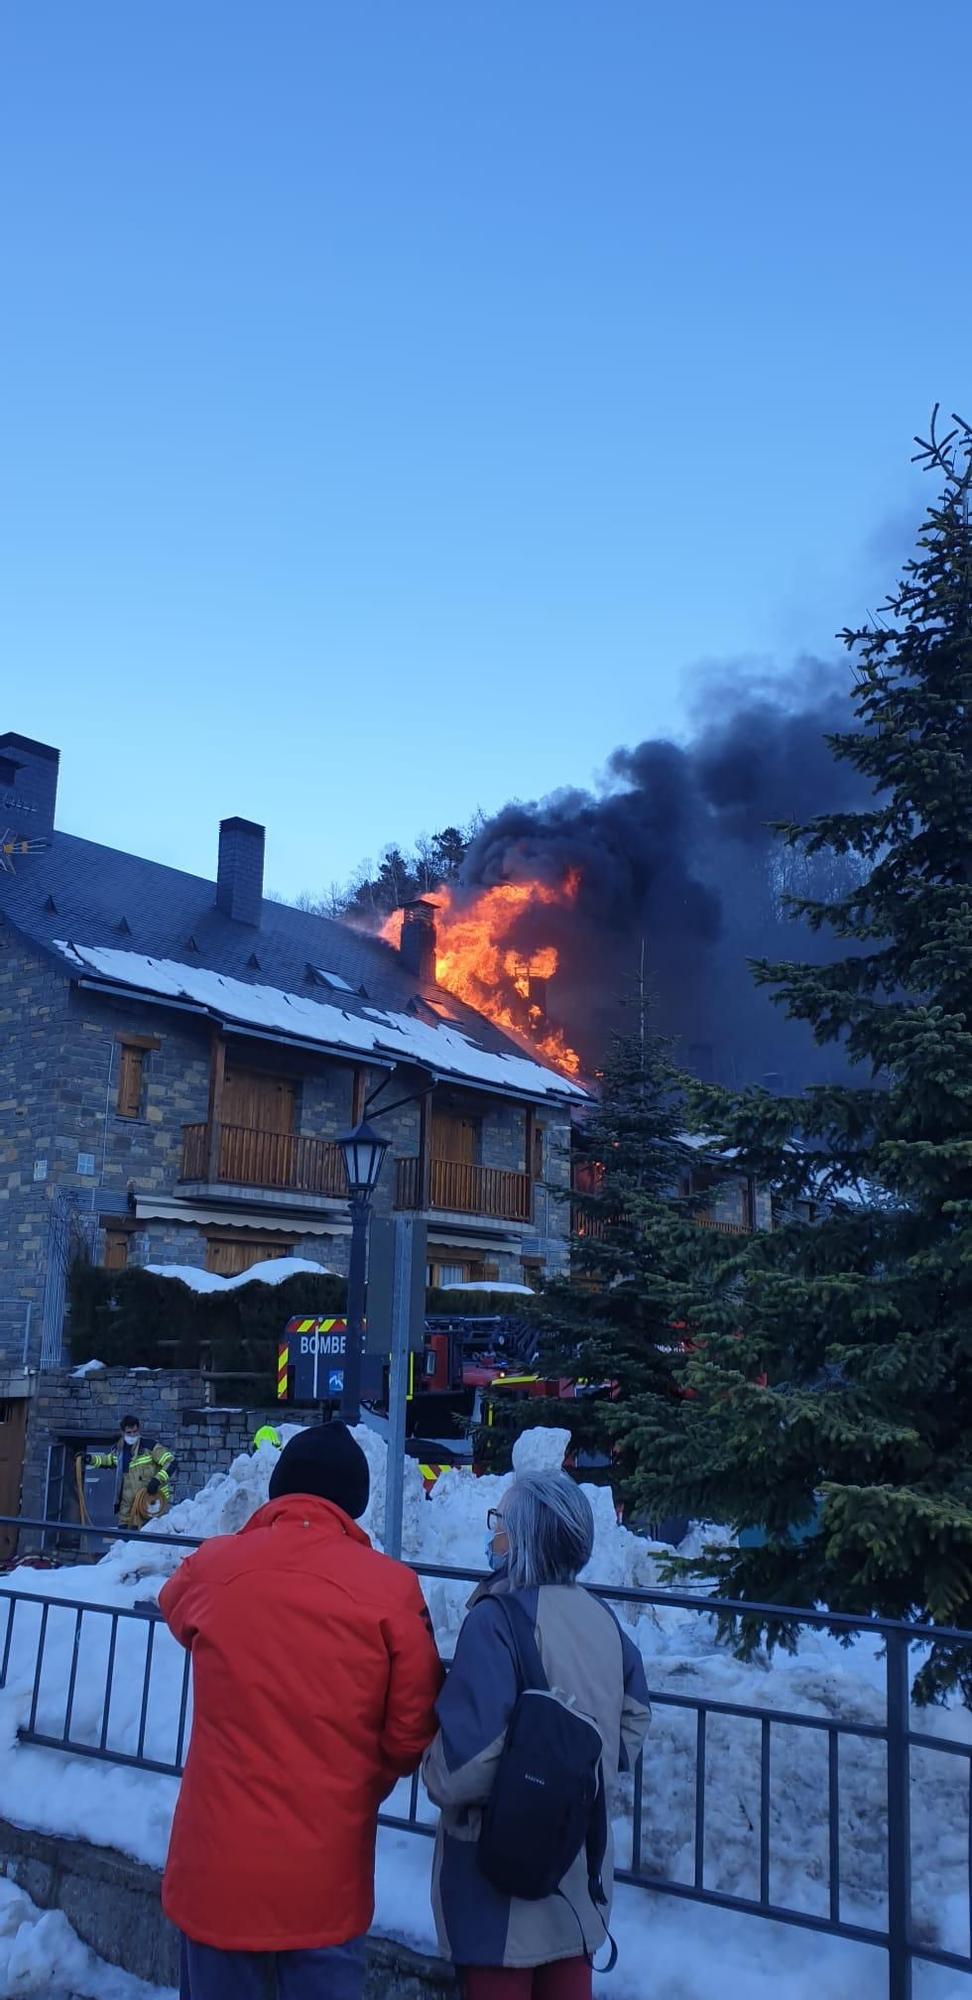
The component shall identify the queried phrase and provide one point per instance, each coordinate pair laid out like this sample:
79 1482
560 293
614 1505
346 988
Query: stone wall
113 1903
171 1405
33 1019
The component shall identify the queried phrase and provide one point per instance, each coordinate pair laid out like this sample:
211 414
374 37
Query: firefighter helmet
267 1435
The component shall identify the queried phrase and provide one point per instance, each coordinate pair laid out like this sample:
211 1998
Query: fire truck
467 1367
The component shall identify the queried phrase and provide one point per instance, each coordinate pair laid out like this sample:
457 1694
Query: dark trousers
568 1979
334 1974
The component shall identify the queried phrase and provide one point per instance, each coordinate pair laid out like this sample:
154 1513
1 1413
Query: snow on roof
445 1050
271 1271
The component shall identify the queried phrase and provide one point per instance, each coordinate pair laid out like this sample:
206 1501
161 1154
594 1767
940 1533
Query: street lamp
363 1151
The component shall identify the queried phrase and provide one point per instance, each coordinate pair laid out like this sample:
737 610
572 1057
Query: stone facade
172 1405
62 1136
33 1147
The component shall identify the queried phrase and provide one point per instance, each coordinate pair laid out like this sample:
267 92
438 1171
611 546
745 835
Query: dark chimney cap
243 826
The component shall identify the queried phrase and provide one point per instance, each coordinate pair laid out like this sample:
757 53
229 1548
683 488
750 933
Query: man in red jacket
315 1675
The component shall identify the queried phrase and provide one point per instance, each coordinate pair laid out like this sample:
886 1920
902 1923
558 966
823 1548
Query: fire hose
83 1515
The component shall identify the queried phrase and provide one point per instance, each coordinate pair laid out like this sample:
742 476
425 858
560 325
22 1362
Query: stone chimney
417 946
239 875
28 786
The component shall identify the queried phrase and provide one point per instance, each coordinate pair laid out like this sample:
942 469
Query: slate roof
98 898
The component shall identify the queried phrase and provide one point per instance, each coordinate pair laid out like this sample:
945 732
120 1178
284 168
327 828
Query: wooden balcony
597 1228
464 1190
248 1158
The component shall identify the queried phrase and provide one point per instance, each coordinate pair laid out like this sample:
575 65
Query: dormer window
321 977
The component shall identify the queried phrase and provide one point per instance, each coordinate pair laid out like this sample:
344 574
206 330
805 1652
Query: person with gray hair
509 1947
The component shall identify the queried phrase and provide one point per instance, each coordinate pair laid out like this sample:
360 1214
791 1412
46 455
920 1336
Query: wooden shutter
260 1102
228 1255
116 1249
130 1081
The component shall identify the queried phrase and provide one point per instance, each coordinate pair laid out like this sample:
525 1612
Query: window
332 979
131 1075
116 1249
445 1269
450 1274
536 1165
227 1255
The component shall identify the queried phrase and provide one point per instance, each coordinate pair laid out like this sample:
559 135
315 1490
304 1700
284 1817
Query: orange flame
476 962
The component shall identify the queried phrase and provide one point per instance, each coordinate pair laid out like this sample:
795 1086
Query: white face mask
130 1437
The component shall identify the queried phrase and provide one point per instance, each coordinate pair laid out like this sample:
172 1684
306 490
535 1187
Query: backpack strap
526 1652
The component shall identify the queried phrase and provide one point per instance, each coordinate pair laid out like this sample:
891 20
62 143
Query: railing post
899 1817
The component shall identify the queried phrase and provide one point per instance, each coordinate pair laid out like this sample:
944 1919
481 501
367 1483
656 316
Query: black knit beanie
324 1459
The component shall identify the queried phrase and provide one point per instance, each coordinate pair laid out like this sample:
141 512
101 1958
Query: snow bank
270 1271
490 1285
40 1953
683 1658
89 1368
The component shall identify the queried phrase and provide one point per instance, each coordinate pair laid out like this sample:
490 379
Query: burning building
675 863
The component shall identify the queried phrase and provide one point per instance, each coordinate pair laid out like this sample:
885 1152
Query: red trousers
569 1979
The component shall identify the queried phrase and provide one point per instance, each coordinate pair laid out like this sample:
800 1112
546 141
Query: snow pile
41 1954
683 1658
270 1271
489 1285
89 1368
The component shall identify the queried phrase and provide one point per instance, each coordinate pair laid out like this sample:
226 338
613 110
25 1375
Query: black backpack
547 1804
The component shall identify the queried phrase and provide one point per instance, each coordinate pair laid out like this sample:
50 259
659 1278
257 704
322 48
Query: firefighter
139 1467
267 1435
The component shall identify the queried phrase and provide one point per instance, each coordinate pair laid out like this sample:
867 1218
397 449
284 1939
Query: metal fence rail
128 1635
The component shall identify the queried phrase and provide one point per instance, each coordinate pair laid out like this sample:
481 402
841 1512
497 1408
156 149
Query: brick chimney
28 785
417 946
239 875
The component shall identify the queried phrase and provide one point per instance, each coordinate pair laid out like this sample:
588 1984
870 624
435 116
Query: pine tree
638 1263
862 1322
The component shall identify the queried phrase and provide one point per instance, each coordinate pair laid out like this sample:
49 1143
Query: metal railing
896 1933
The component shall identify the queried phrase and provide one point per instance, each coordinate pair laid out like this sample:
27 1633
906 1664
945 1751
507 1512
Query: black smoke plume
676 848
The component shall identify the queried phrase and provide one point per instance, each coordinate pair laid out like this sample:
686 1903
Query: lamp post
363 1151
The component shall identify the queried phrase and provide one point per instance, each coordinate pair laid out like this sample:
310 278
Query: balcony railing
248 1158
597 1228
464 1190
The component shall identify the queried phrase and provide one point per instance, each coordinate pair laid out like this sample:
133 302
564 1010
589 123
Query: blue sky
402 397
